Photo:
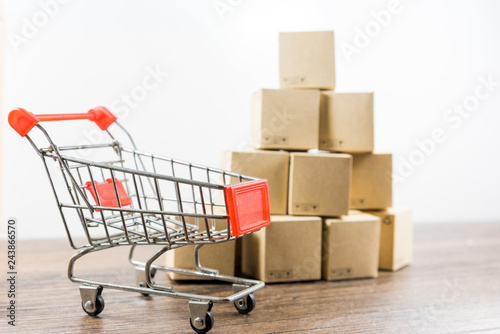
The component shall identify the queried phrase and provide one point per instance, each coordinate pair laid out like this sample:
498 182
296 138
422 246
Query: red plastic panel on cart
107 195
248 207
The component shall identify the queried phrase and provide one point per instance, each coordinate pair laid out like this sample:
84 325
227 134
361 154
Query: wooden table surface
453 286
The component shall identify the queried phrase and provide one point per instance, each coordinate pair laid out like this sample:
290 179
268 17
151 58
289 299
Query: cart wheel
144 285
99 306
246 304
209 324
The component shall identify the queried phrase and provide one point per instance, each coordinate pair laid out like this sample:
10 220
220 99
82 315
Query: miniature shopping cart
127 197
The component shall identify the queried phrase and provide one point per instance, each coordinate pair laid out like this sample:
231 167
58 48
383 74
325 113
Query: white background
427 59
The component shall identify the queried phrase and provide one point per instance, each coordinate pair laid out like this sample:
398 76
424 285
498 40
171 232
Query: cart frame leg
249 284
198 265
140 276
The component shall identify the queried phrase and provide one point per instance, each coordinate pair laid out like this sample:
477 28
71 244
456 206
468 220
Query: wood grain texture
453 286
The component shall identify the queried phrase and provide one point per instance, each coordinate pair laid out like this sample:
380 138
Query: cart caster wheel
141 279
142 285
208 324
94 310
246 304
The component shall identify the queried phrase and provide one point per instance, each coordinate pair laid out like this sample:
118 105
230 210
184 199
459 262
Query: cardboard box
220 256
396 238
270 165
346 122
287 250
371 186
319 184
350 247
285 119
307 59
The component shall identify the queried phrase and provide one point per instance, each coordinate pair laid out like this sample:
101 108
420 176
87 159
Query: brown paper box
371 186
346 122
270 165
319 184
287 250
307 59
285 119
396 238
350 247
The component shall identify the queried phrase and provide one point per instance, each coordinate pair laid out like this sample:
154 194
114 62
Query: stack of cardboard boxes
316 230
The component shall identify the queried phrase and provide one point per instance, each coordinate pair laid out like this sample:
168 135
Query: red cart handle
23 121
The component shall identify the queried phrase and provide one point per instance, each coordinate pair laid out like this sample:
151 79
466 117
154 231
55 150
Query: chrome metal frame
193 213
155 289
